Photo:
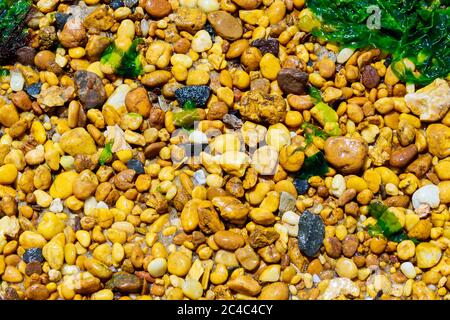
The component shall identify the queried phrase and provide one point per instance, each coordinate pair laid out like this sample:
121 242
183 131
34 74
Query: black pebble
311 231
34 89
116 4
33 254
61 19
198 94
301 185
136 165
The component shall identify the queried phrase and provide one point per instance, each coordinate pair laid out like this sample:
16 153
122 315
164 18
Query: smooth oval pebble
311 232
225 25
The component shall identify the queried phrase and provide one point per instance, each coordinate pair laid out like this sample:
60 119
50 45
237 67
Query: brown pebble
401 157
153 149
33 267
369 77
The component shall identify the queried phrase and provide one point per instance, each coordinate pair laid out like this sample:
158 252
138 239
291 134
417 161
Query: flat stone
311 232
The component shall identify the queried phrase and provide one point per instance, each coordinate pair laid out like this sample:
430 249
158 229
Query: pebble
198 94
157 267
311 232
17 81
431 102
192 289
369 77
37 292
77 141
292 80
200 177
344 55
229 240
401 157
158 8
90 89
225 25
260 107
125 283
201 41
428 194
340 286
408 269
287 202
301 185
33 255
347 155
438 139
269 45
34 89
9 226
427 255
346 268
136 165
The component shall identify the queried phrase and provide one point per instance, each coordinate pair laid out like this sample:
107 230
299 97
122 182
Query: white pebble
89 205
61 61
201 41
17 81
157 267
290 217
200 177
144 27
408 270
198 137
56 206
428 195
338 185
316 278
344 55
208 5
292 230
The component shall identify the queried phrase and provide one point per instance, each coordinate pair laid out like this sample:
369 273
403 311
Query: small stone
428 195
9 226
432 102
33 255
17 81
34 89
125 283
232 121
77 141
438 139
369 77
37 292
427 255
259 107
55 96
189 19
408 269
73 34
346 268
198 94
201 41
136 165
100 19
401 157
90 89
346 154
226 26
292 80
33 267
311 232
116 4
269 45
158 8
301 185
287 202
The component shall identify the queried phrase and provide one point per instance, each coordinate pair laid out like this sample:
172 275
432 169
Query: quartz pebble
428 195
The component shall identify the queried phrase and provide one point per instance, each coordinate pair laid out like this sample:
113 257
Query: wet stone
34 89
311 232
198 94
33 254
210 30
232 121
90 89
116 4
287 202
136 165
301 185
125 283
293 81
267 46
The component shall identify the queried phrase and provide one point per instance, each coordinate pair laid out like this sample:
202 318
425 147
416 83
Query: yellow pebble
77 52
197 77
8 173
270 66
